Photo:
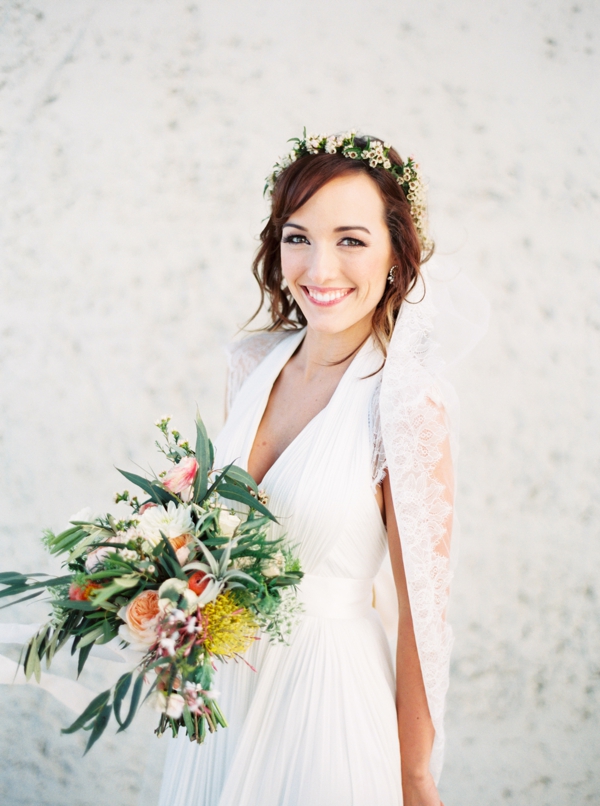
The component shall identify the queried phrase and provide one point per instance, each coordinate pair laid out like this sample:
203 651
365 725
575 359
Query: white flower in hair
376 154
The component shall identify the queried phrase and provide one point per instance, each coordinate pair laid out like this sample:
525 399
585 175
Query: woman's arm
415 728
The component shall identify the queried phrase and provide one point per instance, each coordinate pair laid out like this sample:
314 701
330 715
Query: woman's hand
420 791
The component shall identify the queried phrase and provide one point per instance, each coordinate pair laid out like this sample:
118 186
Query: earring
390 276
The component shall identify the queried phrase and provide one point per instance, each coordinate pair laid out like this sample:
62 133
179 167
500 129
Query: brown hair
293 188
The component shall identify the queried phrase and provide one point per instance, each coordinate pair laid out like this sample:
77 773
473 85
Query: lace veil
442 319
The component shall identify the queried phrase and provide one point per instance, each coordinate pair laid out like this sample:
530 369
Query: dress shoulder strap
244 355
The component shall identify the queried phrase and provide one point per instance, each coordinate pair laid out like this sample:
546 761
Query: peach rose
181 477
141 619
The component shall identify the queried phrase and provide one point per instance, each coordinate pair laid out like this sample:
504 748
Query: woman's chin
329 324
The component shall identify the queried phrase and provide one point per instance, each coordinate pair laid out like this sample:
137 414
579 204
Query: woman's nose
323 267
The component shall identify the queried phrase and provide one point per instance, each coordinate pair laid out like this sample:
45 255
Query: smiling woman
354 188
340 415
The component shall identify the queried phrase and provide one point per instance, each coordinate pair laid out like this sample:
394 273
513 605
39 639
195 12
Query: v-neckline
275 373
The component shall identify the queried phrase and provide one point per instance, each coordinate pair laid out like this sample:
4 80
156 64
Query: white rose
171 706
173 586
170 593
175 704
228 523
273 567
158 701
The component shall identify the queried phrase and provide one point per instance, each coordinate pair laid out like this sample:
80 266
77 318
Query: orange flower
198 582
79 593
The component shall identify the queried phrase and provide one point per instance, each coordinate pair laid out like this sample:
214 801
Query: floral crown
376 153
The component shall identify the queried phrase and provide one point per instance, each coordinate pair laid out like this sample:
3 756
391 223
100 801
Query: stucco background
135 136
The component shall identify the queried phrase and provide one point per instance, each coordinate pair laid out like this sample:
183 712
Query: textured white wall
135 135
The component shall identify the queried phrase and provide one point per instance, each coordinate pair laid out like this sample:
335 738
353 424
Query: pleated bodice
320 486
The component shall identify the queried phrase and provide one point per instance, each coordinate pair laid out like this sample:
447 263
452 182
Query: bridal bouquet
184 578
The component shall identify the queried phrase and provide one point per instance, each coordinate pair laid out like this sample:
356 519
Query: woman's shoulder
245 354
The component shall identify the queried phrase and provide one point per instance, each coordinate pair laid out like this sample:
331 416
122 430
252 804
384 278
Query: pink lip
323 303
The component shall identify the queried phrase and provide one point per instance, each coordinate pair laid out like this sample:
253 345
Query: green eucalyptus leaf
90 637
238 475
12 577
71 604
203 459
93 708
99 727
218 480
234 493
83 656
158 494
121 690
23 599
135 699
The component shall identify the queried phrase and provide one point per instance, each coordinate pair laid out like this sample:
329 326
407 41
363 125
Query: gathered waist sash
336 597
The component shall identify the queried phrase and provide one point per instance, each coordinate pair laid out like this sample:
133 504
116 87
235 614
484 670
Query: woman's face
336 253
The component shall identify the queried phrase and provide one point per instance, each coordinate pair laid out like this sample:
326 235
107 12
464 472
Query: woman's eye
351 242
295 239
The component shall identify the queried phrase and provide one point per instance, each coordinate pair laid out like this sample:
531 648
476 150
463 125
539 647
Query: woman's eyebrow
345 229
337 229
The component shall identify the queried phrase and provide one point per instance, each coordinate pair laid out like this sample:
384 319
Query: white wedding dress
315 724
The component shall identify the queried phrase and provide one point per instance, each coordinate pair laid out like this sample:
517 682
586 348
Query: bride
340 411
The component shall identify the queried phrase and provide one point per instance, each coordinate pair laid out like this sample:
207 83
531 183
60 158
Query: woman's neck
320 352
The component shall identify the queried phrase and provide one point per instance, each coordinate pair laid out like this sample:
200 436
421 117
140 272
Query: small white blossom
168 644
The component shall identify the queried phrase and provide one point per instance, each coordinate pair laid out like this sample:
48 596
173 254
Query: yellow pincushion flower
230 628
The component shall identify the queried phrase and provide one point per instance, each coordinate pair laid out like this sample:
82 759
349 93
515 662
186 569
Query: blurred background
135 136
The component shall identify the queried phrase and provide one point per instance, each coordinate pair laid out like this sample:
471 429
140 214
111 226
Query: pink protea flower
181 477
